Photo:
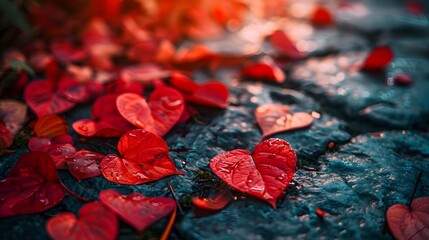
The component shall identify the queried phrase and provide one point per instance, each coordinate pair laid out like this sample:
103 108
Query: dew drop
132 134
155 204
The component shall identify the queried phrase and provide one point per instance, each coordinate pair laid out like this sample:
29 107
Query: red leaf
136 209
144 158
85 164
95 222
409 222
211 94
378 59
284 45
78 92
263 71
120 86
65 52
183 83
6 137
143 73
13 114
274 118
164 109
32 186
50 126
59 148
215 203
322 17
403 79
43 99
107 122
264 174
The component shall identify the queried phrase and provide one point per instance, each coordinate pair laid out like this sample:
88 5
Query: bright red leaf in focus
85 164
263 71
284 45
409 222
136 209
144 158
275 118
95 222
32 186
322 16
107 121
158 115
264 174
378 59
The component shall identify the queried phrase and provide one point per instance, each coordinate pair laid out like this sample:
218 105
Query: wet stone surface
354 185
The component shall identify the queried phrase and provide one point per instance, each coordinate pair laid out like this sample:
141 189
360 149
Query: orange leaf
50 126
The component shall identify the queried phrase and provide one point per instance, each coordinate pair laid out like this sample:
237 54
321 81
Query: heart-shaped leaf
264 174
95 222
275 118
409 222
284 45
31 186
85 164
378 59
107 122
164 109
136 209
13 114
144 158
65 52
43 99
263 71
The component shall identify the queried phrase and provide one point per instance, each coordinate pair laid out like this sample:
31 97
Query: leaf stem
169 226
415 188
175 197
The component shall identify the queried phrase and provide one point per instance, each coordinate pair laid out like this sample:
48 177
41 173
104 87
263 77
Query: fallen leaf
144 158
50 126
31 186
13 114
378 59
85 164
210 94
59 148
284 45
264 174
107 121
65 52
158 115
275 118
402 79
321 16
136 209
78 92
95 222
42 98
263 71
409 222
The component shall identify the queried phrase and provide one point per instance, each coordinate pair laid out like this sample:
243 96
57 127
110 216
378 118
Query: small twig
415 188
169 226
175 197
73 193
